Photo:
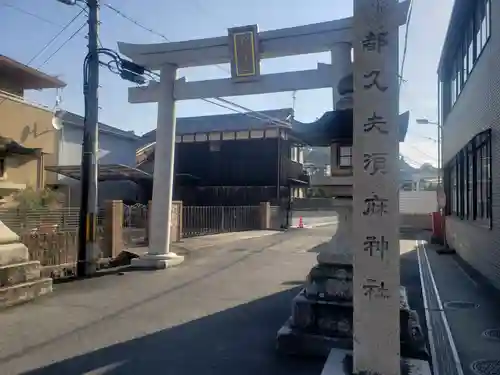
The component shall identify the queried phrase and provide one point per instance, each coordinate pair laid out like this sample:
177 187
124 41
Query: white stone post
159 255
376 205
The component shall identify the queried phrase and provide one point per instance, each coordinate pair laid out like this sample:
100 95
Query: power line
49 43
62 45
423 136
422 152
137 23
21 10
405 48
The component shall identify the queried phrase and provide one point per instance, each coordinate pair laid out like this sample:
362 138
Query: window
345 157
475 35
454 191
470 48
468 181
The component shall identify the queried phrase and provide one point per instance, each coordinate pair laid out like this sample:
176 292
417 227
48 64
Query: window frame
476 32
468 182
341 156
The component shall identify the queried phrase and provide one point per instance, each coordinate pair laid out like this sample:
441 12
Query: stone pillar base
157 261
322 317
339 362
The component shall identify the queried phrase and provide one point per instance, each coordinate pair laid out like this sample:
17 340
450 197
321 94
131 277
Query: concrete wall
31 126
113 149
477 109
417 202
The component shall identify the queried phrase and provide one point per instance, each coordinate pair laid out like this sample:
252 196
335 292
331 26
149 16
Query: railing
135 224
295 170
203 220
40 220
51 235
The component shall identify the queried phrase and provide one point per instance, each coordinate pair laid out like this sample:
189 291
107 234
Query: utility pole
87 243
88 249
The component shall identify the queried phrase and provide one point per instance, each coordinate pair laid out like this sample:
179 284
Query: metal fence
203 220
51 235
40 220
135 223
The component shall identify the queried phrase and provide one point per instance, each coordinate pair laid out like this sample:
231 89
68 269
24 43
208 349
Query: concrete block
156 262
339 362
19 273
7 236
20 293
13 253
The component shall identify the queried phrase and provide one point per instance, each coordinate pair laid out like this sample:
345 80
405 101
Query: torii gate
377 344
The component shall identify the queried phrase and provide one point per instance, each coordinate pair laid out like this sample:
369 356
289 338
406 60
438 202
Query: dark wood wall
241 172
252 162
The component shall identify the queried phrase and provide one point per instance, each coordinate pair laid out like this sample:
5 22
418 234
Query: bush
32 199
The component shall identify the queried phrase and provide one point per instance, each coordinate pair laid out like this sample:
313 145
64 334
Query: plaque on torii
245 56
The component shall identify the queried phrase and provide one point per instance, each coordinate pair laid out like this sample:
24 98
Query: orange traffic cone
301 223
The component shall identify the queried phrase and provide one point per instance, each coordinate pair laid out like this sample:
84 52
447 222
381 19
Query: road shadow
238 340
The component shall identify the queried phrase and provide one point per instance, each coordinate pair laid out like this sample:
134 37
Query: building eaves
227 122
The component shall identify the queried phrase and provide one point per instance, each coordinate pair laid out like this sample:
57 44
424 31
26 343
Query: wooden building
234 159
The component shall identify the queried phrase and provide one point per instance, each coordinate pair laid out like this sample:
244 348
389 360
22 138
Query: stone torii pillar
159 255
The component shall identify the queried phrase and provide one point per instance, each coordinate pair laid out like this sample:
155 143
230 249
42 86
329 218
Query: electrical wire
62 45
137 23
248 111
422 152
266 117
49 43
21 10
405 48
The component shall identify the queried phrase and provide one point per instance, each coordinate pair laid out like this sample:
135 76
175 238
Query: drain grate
486 367
461 305
492 334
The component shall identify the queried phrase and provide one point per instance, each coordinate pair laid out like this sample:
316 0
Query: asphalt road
217 313
313 217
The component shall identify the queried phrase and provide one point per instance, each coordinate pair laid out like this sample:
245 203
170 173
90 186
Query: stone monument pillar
375 189
160 223
352 298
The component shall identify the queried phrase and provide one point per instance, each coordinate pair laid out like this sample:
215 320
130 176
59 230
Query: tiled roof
225 122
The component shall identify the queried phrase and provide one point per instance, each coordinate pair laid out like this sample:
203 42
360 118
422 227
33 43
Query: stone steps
20 278
19 273
24 292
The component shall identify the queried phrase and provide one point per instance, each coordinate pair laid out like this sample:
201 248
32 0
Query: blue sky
189 19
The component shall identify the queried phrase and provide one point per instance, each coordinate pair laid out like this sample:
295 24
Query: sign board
245 56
